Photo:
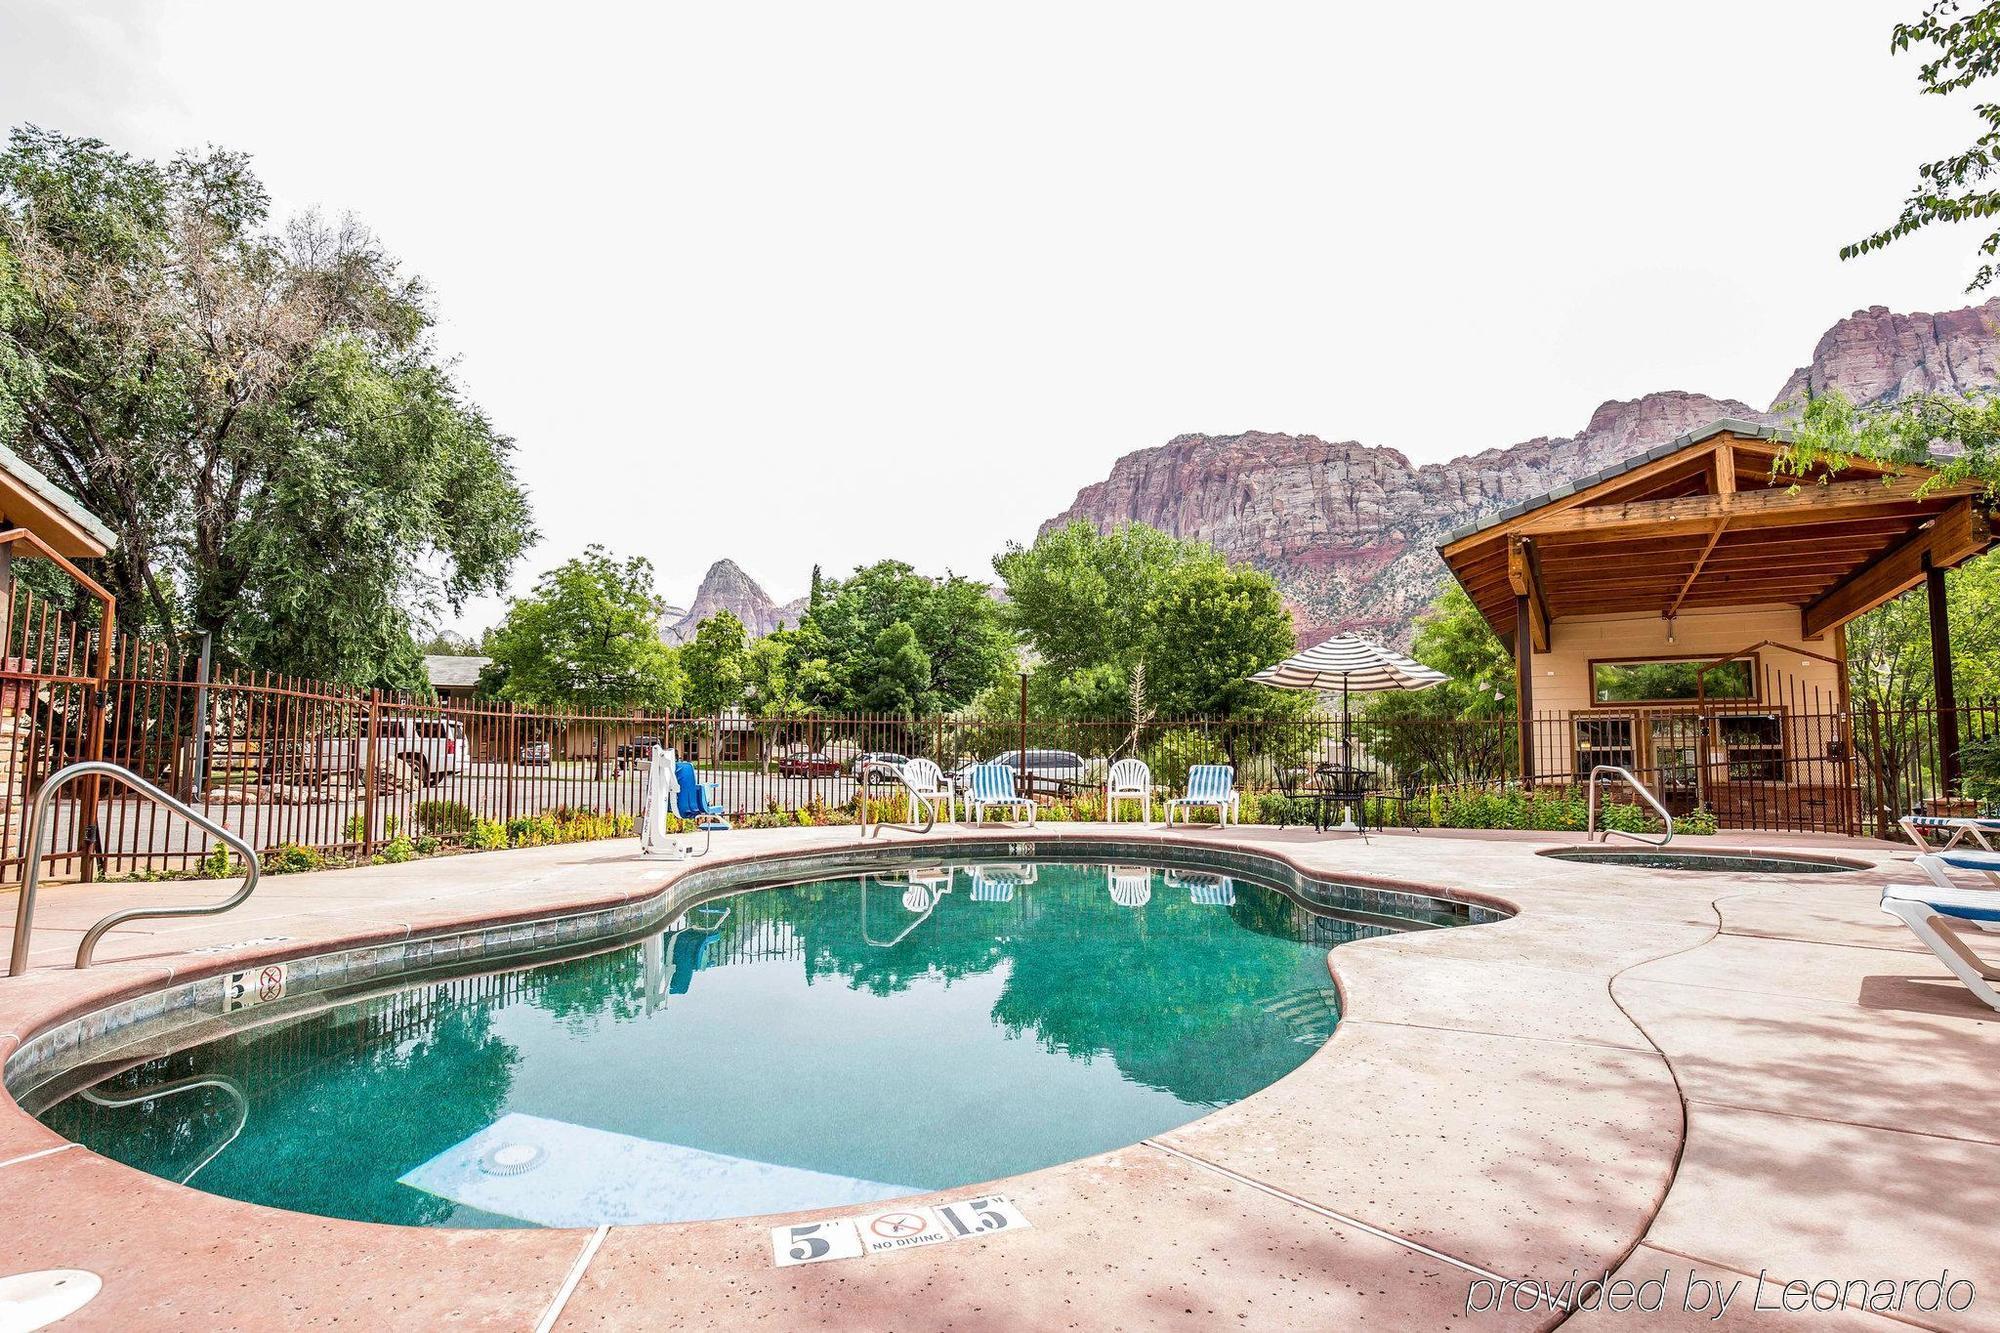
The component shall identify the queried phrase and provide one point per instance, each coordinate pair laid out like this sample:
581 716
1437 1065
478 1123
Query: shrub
487 834
1178 751
288 858
443 819
398 849
219 864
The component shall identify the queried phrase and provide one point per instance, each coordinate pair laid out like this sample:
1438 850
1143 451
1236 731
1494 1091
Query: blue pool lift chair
1931 913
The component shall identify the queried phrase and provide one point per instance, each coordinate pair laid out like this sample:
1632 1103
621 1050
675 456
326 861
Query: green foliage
890 640
1962 50
395 851
1436 735
563 825
443 819
716 664
261 418
487 835
219 864
1102 610
288 858
586 638
1175 752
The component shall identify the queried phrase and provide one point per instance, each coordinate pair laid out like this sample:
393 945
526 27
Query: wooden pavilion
1682 614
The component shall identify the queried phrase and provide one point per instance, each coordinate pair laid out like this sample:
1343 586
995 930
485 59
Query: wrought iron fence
346 773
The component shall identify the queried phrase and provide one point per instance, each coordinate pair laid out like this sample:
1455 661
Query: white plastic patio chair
993 785
1208 785
926 780
1129 780
1930 913
1131 886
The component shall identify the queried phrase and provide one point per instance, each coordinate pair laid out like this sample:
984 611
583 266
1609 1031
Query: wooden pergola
1702 523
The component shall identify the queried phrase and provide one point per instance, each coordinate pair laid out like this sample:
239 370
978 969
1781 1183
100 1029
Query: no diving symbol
892 1225
271 983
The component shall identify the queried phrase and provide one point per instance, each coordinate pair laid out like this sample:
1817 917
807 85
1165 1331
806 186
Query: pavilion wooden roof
1705 524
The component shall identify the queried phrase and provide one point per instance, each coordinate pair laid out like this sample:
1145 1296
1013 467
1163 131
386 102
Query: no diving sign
258 985
893 1229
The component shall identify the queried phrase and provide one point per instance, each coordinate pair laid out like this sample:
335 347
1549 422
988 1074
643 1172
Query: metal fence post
368 774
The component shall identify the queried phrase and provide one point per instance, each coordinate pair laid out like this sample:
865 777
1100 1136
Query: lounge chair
1129 780
996 883
993 785
1959 826
1209 785
926 781
1930 915
1204 890
1937 866
1131 886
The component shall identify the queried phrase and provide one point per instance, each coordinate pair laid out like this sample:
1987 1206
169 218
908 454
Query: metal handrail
229 1086
917 799
31 870
1590 829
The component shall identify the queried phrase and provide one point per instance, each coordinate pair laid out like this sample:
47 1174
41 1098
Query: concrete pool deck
1644 1071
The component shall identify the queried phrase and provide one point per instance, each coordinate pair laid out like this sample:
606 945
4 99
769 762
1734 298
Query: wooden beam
1713 537
1957 533
1725 468
1741 509
1622 481
1521 577
1941 679
1524 693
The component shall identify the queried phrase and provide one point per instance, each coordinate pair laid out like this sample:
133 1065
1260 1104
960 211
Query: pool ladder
1590 831
31 865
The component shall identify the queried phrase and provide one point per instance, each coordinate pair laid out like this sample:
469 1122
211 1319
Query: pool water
819 1044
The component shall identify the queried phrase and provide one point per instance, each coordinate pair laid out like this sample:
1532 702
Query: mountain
1349 530
727 588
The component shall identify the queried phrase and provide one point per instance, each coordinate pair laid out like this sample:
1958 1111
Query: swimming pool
831 1042
1739 863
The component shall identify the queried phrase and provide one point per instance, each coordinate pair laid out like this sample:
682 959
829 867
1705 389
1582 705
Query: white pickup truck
426 749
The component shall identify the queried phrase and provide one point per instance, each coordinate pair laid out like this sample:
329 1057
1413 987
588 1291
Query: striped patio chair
993 785
1208 785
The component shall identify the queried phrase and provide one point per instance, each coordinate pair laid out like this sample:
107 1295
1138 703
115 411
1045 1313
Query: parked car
536 754
638 750
879 776
810 765
426 748
1063 768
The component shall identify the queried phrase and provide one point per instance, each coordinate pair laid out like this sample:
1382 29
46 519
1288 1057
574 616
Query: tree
261 418
1452 732
714 663
1964 51
1099 609
586 638
844 659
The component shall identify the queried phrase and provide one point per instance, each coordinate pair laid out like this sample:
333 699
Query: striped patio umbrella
1352 665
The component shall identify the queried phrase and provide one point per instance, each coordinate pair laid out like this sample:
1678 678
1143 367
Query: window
1671 681
1604 740
1754 744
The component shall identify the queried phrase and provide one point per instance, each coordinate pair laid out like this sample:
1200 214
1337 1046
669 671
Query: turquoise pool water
819 1044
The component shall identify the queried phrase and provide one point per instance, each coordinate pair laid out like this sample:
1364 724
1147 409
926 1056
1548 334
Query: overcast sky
799 282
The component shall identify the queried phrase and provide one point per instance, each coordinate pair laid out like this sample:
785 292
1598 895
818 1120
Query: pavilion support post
1947 697
1524 688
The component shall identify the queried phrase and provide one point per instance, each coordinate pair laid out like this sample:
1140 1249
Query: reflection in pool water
782 1047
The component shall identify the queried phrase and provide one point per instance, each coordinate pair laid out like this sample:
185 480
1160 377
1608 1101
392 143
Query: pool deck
1646 1072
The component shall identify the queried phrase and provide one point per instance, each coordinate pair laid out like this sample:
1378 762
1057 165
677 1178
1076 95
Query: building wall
1562 675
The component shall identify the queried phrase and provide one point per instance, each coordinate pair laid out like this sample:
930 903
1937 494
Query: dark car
813 765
